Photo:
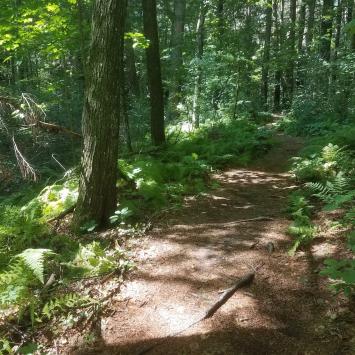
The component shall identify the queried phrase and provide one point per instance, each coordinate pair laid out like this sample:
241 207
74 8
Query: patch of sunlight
176 316
214 197
323 250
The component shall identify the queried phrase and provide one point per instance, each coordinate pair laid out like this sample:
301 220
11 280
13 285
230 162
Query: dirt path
200 251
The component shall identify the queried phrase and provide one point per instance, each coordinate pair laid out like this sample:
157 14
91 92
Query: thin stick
244 281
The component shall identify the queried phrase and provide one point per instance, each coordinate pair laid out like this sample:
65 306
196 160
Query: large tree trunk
200 29
326 29
266 56
97 189
154 72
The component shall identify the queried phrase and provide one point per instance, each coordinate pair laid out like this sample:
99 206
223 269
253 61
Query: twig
244 281
25 168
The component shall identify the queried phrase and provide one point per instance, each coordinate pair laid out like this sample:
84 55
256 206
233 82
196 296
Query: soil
204 248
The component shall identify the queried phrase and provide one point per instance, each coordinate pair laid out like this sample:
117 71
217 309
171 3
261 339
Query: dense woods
116 114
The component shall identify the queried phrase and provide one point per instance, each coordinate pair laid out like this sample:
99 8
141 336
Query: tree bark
154 72
100 126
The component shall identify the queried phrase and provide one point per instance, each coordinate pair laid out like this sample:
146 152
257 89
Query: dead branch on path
244 281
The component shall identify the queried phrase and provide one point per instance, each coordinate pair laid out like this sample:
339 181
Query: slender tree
326 29
266 55
310 24
290 80
154 72
200 31
277 48
100 124
301 26
176 59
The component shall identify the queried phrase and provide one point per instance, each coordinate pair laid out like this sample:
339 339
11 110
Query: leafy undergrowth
39 267
326 171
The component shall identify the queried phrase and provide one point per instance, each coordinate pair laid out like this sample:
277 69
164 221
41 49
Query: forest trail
185 263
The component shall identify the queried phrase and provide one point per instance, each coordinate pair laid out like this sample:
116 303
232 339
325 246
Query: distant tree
176 59
154 72
98 176
326 29
266 55
310 23
200 31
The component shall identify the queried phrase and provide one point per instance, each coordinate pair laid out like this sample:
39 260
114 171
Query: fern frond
34 260
65 302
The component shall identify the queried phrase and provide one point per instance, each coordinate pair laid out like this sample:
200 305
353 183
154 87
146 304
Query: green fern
64 303
34 260
334 193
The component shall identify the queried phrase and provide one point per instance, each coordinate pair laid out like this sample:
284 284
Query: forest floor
194 254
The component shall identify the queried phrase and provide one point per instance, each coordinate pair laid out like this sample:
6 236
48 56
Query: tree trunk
176 60
290 80
310 24
350 17
133 81
278 73
200 29
301 25
266 55
97 188
326 29
154 72
221 21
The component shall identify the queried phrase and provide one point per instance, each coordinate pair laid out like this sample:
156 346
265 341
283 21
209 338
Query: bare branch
27 171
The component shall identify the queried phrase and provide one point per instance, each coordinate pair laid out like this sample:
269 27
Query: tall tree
310 23
100 125
177 41
301 25
266 55
326 29
290 80
154 72
200 32
277 48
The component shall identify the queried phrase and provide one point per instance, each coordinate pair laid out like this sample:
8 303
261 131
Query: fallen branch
244 281
52 127
62 214
230 224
